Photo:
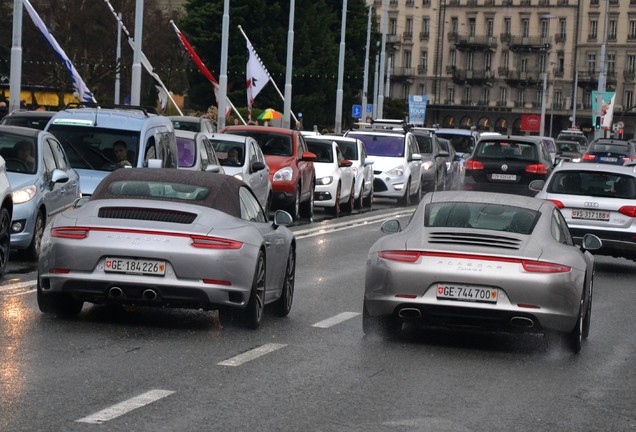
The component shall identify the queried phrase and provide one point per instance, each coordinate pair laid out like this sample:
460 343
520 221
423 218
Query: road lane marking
252 354
125 407
339 226
341 317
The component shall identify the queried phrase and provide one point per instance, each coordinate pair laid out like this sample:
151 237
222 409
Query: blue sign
369 109
356 111
417 109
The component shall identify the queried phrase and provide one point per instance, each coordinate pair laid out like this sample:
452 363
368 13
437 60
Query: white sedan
334 187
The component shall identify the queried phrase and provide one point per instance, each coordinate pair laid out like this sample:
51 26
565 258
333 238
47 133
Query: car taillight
557 203
214 243
473 165
588 156
70 232
536 169
544 267
401 256
628 211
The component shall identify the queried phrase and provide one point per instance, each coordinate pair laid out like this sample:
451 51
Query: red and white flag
257 76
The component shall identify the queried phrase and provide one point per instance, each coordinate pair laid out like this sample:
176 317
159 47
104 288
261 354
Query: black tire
385 326
575 337
359 203
348 206
335 210
368 201
253 312
294 208
58 304
587 320
306 208
406 199
283 305
5 239
33 251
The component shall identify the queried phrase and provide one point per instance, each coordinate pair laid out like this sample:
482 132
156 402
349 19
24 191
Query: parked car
192 124
598 199
89 132
292 172
434 157
454 166
568 151
479 260
353 150
42 183
335 187
507 164
609 151
201 240
196 152
241 157
397 163
6 213
30 119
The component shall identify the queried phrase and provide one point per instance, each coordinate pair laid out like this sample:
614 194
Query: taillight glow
536 169
544 267
214 243
70 232
60 271
557 203
217 282
588 156
628 211
528 306
400 256
406 296
473 165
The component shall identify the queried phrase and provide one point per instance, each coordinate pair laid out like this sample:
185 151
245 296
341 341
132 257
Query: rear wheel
58 303
575 337
253 312
5 239
588 312
283 305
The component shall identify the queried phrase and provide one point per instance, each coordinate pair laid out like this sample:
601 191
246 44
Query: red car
291 168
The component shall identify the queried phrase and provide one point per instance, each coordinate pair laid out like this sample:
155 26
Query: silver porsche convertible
482 260
168 238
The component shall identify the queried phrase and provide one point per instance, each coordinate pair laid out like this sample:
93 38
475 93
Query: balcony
629 75
424 36
472 77
527 78
407 36
558 73
558 105
502 71
449 101
544 2
452 37
527 44
588 79
505 37
471 2
450 69
476 43
422 69
403 72
560 38
525 2
562 2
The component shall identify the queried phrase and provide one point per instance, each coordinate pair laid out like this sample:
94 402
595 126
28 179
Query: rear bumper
511 188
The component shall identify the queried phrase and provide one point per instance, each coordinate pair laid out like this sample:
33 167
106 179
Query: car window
48 158
608 148
322 149
425 144
349 149
507 150
593 183
211 153
382 145
58 153
186 148
562 227
486 216
250 208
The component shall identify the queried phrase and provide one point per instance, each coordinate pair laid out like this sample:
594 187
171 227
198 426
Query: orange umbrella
270 114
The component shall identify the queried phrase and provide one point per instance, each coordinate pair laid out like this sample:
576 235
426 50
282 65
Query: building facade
485 63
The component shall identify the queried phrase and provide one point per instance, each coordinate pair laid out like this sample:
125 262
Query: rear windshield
382 145
495 217
461 143
322 149
92 147
506 150
157 190
568 146
593 183
571 137
609 148
272 144
26 121
187 126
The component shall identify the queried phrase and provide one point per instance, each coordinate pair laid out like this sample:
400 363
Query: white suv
397 163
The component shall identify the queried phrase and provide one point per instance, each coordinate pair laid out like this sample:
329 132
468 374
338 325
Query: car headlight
23 195
398 171
238 176
283 174
324 180
576 160
427 165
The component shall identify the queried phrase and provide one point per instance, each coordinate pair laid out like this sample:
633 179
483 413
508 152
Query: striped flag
85 94
257 76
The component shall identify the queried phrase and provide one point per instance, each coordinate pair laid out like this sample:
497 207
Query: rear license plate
466 293
609 159
138 266
590 215
508 177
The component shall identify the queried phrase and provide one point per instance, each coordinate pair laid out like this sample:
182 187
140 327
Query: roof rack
145 110
385 125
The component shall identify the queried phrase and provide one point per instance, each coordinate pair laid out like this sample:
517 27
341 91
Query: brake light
536 169
400 256
60 271
628 211
588 156
214 243
473 165
544 267
70 232
557 203
217 282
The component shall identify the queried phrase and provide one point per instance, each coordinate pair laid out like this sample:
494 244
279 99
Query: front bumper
25 213
385 186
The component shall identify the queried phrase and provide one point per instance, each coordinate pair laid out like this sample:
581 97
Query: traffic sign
356 111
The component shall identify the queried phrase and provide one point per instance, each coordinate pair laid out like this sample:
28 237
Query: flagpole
270 77
15 76
144 60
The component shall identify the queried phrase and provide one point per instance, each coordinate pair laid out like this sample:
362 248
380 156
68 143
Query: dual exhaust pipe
516 321
116 292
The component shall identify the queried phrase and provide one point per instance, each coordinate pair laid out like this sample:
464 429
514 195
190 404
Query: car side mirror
58 176
536 185
466 155
368 162
281 217
345 163
443 153
155 163
391 226
308 157
416 157
213 168
591 242
257 166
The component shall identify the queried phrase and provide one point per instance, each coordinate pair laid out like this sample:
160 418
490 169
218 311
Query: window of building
467 96
450 92
452 57
426 26
490 27
632 29
525 27
422 89
503 96
611 63
591 62
545 27
485 95
406 59
506 25
454 25
557 102
523 65
505 56
593 31
538 98
563 27
409 26
628 99
472 25
424 62
612 29
487 60
521 97
393 26
631 63
470 58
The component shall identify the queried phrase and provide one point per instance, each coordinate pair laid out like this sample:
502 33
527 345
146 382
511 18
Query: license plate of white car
138 266
609 159
509 177
466 293
590 215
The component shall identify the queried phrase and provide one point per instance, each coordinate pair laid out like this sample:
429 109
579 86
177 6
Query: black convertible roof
222 189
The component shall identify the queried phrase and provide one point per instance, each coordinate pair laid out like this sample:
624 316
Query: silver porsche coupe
482 260
168 238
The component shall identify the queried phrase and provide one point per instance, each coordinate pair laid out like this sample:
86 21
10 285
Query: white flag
85 94
257 75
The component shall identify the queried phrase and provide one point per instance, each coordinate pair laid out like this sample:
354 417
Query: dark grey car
433 161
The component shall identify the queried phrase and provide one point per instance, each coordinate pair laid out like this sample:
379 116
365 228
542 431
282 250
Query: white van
89 132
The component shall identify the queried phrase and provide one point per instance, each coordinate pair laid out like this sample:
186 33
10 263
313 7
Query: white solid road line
252 354
329 322
125 407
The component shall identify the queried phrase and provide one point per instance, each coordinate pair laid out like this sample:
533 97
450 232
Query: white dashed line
252 354
336 319
125 407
